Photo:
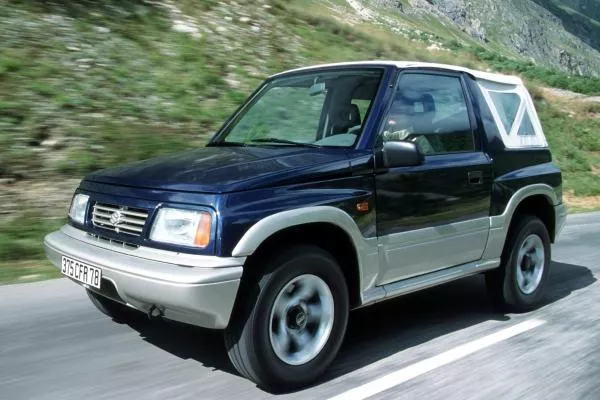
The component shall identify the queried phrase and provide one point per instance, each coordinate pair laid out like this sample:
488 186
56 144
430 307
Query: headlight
79 207
190 228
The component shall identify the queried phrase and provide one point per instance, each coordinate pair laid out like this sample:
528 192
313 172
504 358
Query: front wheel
290 322
518 285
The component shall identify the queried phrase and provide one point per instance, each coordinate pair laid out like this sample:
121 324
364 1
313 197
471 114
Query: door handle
475 177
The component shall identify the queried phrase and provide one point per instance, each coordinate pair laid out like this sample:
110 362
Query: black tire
247 336
117 311
502 283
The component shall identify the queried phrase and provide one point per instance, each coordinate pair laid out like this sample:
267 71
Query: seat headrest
349 115
415 105
428 103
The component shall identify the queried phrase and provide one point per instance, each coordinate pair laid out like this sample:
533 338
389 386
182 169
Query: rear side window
431 111
526 128
507 105
514 113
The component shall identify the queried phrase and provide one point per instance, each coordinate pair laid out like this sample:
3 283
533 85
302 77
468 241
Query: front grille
119 219
113 242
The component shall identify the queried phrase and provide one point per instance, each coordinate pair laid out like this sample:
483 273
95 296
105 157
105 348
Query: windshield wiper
283 141
226 144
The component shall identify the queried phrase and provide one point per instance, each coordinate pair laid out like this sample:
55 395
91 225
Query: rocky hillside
563 34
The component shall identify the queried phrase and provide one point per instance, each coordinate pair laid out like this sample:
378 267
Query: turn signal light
203 231
363 206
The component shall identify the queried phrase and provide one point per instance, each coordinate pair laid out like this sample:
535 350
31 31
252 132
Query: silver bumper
560 213
194 289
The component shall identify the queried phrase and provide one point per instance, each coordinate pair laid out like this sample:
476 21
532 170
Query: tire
518 285
256 336
117 311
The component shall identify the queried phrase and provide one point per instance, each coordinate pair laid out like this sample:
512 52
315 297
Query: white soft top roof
488 76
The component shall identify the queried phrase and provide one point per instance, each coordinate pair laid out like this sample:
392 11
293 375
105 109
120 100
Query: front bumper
194 289
560 214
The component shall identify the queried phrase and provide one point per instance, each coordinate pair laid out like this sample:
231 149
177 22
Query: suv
332 188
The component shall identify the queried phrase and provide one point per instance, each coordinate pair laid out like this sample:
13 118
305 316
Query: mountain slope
579 17
562 34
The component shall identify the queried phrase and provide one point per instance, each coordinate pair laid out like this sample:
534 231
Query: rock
568 62
184 26
7 181
231 80
102 29
244 20
94 115
53 143
73 48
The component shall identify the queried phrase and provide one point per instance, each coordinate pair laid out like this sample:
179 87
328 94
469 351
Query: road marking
412 371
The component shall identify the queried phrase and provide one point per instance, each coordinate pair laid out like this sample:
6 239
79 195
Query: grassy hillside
88 84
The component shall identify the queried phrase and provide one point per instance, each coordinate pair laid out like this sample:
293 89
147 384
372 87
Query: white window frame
511 137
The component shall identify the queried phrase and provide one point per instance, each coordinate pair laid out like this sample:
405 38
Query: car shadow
378 331
384 329
185 341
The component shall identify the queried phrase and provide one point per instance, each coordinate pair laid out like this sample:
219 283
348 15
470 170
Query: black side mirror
401 154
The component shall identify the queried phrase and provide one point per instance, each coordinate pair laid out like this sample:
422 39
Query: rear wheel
519 283
117 311
289 323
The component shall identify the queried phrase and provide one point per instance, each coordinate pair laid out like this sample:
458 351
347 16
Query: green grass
575 143
22 238
22 257
27 271
539 74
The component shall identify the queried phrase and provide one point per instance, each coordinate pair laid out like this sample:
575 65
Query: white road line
412 371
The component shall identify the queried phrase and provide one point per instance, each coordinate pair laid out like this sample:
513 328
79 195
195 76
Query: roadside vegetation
89 84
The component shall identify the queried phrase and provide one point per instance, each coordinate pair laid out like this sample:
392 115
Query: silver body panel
425 281
202 294
420 251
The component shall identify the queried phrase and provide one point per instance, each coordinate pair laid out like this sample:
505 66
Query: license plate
81 272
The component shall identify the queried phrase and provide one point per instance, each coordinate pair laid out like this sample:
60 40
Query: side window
526 128
507 105
431 111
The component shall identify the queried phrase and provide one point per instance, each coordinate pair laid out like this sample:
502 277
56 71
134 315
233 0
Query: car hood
228 169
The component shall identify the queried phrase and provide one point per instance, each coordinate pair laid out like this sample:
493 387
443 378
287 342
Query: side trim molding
417 283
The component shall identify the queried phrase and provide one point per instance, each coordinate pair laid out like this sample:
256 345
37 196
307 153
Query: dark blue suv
333 187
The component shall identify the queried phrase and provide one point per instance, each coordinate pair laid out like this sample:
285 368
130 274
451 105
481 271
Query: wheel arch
537 199
327 227
538 205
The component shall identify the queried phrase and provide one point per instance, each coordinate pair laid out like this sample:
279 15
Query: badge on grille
116 218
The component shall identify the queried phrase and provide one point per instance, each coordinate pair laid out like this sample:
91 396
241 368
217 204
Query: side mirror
401 154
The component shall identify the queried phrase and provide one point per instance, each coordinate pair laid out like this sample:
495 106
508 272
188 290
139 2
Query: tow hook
155 313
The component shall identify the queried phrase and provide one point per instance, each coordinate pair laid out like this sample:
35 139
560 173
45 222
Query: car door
434 215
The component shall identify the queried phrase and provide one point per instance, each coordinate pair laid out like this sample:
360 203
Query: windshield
326 108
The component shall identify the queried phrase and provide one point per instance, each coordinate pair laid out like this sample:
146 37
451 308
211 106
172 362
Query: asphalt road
55 345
